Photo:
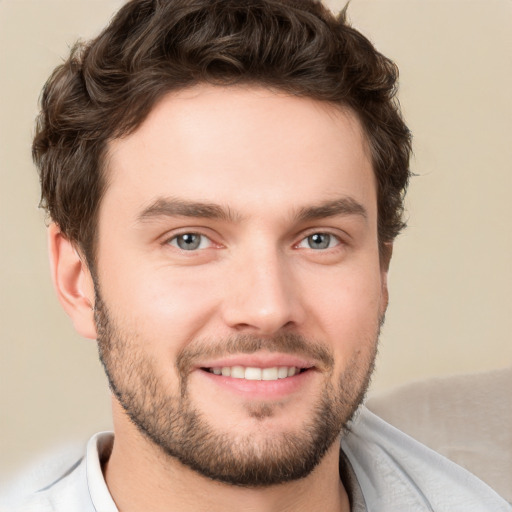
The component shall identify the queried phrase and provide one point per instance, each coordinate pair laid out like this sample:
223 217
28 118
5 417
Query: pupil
319 241
188 241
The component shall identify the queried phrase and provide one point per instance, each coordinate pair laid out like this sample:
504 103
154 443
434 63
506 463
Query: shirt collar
99 448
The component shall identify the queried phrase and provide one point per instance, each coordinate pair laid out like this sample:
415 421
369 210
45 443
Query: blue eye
190 241
319 241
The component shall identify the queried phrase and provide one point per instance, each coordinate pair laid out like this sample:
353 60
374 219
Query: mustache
286 343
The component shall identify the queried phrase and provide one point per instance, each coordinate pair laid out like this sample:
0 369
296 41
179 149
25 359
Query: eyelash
174 241
331 237
176 238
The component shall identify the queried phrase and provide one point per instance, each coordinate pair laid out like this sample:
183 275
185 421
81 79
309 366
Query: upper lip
260 360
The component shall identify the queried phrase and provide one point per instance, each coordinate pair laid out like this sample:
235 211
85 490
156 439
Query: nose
262 296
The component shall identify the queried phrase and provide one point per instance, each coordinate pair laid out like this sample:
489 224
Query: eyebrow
344 206
173 207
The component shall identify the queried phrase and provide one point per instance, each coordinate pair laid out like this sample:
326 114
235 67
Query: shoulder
397 473
463 417
54 483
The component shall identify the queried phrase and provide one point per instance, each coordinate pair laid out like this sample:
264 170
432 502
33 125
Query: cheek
162 306
348 308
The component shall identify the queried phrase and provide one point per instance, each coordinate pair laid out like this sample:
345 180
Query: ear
72 281
385 259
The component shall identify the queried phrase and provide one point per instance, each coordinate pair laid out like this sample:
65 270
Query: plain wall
451 274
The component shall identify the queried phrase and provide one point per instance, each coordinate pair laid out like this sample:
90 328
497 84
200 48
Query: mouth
254 373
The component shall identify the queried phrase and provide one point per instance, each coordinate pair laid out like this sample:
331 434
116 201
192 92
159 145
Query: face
239 290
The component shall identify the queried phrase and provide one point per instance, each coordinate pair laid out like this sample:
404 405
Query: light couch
467 418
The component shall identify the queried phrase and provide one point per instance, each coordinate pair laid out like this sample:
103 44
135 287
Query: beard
170 420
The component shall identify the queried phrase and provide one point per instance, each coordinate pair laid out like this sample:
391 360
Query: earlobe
72 281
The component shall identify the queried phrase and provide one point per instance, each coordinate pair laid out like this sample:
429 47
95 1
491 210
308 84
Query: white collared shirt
385 471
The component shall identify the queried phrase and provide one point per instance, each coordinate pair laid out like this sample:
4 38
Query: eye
319 241
190 241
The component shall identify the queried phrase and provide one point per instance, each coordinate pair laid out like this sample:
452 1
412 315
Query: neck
140 477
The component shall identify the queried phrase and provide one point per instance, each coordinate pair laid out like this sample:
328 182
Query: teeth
237 372
269 374
282 372
253 373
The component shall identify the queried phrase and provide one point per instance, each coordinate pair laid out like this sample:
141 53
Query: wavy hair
107 87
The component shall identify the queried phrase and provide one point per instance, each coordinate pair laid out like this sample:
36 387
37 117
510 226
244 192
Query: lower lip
261 389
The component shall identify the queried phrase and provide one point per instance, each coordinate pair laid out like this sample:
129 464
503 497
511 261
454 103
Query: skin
264 157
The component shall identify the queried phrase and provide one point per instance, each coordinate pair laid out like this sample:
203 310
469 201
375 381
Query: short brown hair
107 87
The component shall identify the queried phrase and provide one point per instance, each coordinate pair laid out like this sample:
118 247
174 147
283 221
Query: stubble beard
172 422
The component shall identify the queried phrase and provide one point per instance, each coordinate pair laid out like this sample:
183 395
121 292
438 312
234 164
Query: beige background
451 278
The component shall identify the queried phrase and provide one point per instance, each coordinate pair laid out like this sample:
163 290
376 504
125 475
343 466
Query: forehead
249 148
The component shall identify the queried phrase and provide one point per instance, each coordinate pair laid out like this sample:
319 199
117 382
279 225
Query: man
225 181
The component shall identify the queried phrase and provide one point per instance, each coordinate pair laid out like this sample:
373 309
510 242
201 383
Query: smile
255 373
